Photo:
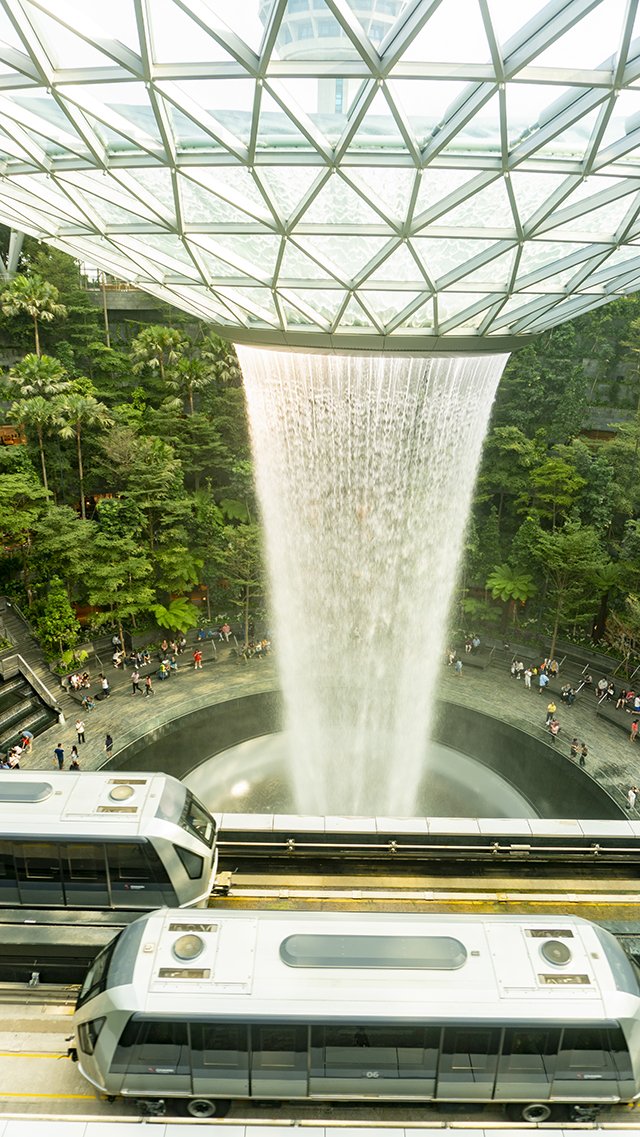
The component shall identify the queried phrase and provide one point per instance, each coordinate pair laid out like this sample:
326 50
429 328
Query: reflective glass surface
373 172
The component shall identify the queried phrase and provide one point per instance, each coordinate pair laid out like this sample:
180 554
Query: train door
220 1060
85 875
279 1061
137 876
39 873
364 1061
586 1067
153 1057
527 1064
468 1062
8 882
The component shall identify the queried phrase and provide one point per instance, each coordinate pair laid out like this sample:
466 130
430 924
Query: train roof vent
121 792
188 947
556 952
439 953
27 792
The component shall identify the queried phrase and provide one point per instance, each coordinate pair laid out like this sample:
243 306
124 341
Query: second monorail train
541 1015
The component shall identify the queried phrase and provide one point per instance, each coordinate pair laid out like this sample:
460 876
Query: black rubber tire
204 1107
533 1112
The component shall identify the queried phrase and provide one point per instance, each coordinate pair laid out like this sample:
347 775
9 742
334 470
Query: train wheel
205 1107
534 1111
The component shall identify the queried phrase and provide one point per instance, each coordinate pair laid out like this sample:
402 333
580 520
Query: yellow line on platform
49 1097
27 1054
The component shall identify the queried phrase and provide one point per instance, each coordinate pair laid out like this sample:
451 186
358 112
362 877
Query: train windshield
115 964
197 820
95 981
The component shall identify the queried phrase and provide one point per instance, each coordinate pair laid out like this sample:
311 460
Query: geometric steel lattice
375 173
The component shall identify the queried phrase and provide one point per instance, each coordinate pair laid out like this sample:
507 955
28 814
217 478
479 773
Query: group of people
78 682
11 760
256 649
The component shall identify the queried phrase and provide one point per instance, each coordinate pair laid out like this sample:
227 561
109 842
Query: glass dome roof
360 173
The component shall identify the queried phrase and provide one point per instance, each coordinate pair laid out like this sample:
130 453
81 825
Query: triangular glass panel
436 185
249 28
199 206
175 38
190 135
385 306
539 255
617 263
354 316
520 305
450 304
378 128
63 47
260 303
260 251
489 208
8 33
388 187
423 317
234 183
325 102
168 250
625 119
589 41
531 104
399 268
338 204
276 128
326 302
532 191
152 182
425 103
480 133
574 141
215 266
437 42
441 255
507 18
313 24
228 101
287 185
296 266
599 224
296 318
348 255
496 273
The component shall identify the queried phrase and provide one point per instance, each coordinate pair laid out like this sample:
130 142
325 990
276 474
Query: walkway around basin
613 760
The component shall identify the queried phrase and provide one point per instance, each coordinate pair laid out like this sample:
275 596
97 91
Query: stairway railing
15 664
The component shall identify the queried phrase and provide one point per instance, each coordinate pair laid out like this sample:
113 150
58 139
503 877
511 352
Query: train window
127 862
7 865
95 981
152 1048
400 1051
470 1051
40 862
625 973
620 1053
197 820
220 1046
191 861
531 1051
88 1034
84 863
585 1049
279 1047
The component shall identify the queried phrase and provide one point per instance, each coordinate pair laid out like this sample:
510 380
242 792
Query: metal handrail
36 682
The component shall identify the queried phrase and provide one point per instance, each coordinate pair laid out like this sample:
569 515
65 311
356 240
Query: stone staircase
29 678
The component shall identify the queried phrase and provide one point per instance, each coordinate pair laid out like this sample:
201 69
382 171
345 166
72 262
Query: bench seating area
617 718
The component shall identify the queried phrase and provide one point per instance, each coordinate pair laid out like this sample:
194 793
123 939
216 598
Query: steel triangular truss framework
361 172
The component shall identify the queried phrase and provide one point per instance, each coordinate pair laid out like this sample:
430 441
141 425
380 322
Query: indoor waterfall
365 466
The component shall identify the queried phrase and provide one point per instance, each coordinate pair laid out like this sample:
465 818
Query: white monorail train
103 840
539 1014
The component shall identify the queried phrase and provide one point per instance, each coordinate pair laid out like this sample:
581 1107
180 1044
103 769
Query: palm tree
34 297
39 413
78 410
511 585
188 376
158 348
39 375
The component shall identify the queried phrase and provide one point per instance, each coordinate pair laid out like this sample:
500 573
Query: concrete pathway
613 761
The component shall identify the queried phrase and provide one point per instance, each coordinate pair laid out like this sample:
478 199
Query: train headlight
188 947
555 952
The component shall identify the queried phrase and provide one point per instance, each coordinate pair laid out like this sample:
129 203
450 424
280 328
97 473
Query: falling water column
365 467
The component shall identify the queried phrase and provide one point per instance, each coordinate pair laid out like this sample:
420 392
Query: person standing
108 745
58 755
543 682
583 754
197 660
632 794
75 759
80 730
634 731
551 710
104 683
457 667
554 727
148 687
527 678
135 682
225 631
575 746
